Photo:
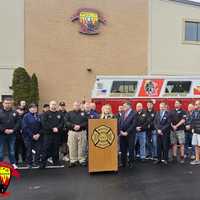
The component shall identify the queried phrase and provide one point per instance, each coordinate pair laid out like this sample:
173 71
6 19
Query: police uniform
8 120
19 143
77 139
51 140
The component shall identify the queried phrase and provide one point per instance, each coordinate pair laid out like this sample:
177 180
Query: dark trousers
8 140
20 148
163 147
188 143
30 145
51 143
127 144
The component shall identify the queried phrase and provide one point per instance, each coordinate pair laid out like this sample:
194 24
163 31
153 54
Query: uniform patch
152 115
58 116
143 115
14 114
82 114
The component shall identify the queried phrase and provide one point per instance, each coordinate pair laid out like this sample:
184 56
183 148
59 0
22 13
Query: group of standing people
39 137
147 134
143 133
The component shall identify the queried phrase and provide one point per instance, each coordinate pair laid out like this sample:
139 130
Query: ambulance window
125 88
178 87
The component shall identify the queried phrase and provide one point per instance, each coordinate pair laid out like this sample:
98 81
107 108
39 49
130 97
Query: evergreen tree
21 85
34 91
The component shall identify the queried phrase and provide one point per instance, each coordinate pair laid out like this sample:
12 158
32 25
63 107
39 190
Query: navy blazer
126 125
30 125
162 124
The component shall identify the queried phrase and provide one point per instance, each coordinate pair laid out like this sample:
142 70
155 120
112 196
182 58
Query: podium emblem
103 137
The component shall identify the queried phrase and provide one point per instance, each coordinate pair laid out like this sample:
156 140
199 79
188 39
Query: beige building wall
11 41
60 55
168 53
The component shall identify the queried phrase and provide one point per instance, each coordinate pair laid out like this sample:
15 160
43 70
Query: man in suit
120 112
126 135
162 126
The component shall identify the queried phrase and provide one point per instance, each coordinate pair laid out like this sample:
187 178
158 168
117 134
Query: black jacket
126 125
195 123
150 118
76 118
52 120
9 120
176 116
141 120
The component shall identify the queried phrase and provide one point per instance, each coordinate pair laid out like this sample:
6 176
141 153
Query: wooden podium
103 148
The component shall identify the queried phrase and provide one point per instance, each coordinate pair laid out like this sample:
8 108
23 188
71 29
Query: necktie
161 115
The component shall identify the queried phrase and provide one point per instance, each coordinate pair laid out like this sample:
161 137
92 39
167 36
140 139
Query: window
177 88
192 31
123 88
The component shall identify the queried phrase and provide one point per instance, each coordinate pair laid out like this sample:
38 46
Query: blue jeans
188 143
152 144
9 140
141 137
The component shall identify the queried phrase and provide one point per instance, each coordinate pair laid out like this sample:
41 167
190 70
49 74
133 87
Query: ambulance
115 90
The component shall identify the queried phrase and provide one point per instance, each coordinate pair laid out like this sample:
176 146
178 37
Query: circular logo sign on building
89 19
103 137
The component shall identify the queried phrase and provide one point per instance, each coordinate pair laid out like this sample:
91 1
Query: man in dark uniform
127 135
162 126
64 133
52 125
19 143
77 122
9 124
31 126
178 118
140 128
151 132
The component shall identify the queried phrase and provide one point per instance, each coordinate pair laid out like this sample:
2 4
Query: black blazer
126 125
162 124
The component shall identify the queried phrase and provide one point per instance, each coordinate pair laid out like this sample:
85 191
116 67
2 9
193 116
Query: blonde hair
106 107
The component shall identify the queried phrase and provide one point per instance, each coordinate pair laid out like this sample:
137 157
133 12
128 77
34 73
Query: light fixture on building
89 69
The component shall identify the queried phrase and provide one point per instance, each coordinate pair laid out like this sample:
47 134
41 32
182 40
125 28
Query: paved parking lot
144 182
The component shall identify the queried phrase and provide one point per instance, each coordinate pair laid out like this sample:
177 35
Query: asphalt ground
145 181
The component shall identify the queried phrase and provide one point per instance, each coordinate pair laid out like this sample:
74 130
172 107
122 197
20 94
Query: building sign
151 88
89 20
6 173
196 88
